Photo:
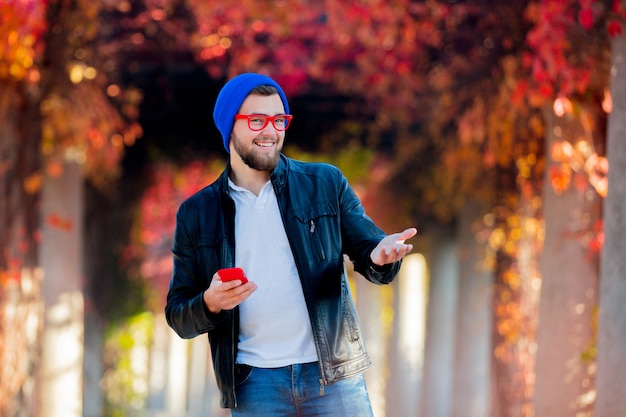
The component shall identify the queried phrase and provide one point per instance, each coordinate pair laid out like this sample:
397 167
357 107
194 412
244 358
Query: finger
407 234
239 294
397 247
398 250
247 288
228 285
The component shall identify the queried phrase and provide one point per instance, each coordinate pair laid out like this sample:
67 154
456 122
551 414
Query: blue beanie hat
231 97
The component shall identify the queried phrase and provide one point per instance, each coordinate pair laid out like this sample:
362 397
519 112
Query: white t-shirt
274 329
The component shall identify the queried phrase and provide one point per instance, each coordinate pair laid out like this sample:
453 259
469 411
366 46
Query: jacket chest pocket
210 252
320 228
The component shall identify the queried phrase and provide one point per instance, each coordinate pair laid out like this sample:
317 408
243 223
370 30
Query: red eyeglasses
258 122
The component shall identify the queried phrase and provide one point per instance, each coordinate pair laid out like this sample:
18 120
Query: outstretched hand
392 248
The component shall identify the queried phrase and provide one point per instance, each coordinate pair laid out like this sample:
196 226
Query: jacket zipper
312 230
322 255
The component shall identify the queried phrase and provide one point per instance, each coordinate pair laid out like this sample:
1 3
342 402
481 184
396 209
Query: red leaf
520 91
560 179
585 17
616 6
56 221
615 28
546 90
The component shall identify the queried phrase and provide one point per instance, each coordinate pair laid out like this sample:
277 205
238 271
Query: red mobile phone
230 274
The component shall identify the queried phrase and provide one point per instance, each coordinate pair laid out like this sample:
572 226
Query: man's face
260 150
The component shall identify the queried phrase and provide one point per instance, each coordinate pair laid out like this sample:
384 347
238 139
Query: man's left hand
392 248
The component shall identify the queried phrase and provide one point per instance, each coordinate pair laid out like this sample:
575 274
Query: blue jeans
296 390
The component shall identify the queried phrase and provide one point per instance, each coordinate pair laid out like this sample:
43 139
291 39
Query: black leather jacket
323 219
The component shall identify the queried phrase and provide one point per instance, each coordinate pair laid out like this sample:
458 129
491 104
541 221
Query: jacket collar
278 177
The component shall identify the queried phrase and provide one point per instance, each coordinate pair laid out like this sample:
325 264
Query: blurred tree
611 383
57 106
565 363
87 120
570 61
22 25
515 135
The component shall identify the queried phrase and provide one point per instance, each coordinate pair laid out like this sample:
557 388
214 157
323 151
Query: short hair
264 90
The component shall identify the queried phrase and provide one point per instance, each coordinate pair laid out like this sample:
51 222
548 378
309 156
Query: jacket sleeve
185 310
360 235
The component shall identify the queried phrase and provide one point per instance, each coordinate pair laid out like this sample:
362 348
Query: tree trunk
473 321
406 358
440 323
20 281
569 271
61 257
611 382
177 376
370 305
515 244
93 367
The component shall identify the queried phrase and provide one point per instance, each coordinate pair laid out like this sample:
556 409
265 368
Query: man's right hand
226 295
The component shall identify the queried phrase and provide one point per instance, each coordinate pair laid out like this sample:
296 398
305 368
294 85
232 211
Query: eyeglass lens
260 122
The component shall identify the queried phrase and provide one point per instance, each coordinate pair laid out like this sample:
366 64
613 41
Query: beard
256 160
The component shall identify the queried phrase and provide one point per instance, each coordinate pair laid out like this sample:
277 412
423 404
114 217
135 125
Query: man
288 341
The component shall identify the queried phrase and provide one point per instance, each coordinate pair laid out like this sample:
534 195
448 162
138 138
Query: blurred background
489 125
